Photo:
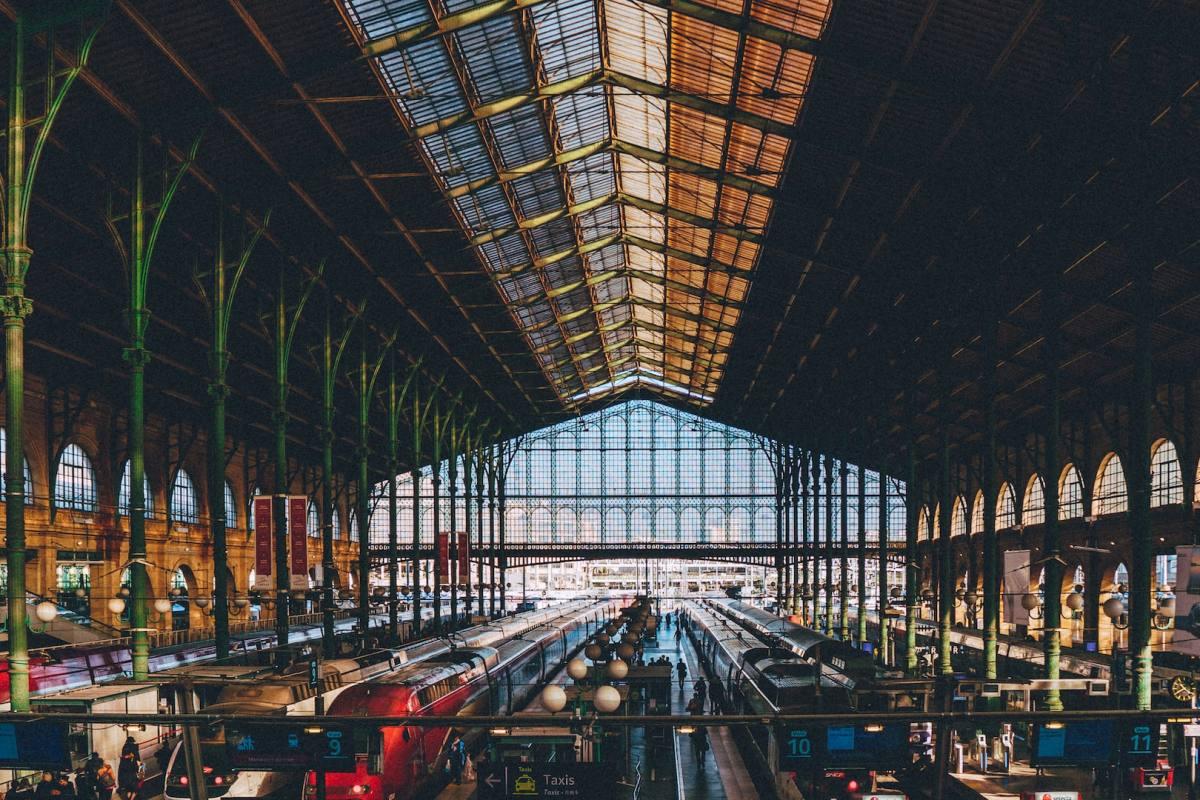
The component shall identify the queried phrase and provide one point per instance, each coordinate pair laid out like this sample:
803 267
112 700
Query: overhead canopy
613 165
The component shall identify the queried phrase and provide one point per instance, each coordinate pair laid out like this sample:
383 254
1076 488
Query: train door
411 748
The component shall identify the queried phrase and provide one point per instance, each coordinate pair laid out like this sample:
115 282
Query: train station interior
615 399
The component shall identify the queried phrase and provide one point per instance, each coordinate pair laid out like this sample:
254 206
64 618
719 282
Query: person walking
106 780
129 779
85 784
456 758
701 690
678 636
716 695
681 668
700 746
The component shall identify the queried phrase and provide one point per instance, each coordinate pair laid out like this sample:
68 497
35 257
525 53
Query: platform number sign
1140 746
795 749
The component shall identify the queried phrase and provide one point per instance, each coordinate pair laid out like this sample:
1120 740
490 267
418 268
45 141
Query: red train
394 763
71 666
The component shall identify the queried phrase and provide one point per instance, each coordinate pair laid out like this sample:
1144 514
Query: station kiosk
105 738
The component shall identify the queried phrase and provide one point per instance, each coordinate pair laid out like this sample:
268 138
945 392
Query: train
290 693
770 665
56 669
398 762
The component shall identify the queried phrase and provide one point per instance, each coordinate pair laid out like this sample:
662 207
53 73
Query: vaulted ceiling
824 221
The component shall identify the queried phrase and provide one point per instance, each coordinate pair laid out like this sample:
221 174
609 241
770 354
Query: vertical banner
464 558
298 542
443 557
263 543
1016 586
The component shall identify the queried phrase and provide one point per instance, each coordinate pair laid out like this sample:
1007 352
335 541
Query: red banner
298 539
464 558
263 552
443 557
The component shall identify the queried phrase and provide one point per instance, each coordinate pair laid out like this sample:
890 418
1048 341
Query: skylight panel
495 58
423 80
592 177
458 155
637 40
567 38
643 179
640 120
644 224
378 18
582 117
520 136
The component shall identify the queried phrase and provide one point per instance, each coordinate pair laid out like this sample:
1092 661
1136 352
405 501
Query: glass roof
612 162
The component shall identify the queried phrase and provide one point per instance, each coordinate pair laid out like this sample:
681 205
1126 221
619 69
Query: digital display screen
1087 743
298 747
881 747
39 744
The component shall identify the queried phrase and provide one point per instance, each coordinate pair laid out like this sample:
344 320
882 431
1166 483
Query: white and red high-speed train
394 763
290 694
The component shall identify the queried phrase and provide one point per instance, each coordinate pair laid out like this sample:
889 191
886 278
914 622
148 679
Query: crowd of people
95 780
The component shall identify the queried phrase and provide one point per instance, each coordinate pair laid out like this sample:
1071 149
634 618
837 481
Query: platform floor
722 773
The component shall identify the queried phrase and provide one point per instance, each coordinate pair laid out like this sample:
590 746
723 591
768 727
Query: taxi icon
524 785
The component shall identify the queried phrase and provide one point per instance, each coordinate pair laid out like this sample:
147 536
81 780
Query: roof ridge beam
617 198
610 77
612 145
450 23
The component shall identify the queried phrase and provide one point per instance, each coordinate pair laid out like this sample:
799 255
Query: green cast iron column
1052 590
991 570
220 297
912 575
137 357
437 514
881 654
815 619
862 557
418 418
368 375
493 560
829 470
16 307
466 495
945 552
332 351
1139 490
777 462
479 501
843 556
501 480
284 336
456 432
801 602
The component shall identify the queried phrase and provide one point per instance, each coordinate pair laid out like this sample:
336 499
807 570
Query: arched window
1166 478
1070 494
1006 508
337 524
4 471
123 493
250 510
977 514
1033 509
184 505
230 507
958 521
935 523
75 480
922 524
312 521
353 526
1111 495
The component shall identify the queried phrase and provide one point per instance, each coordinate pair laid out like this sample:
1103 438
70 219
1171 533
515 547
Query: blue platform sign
37 744
1139 743
1079 744
796 748
881 747
290 747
